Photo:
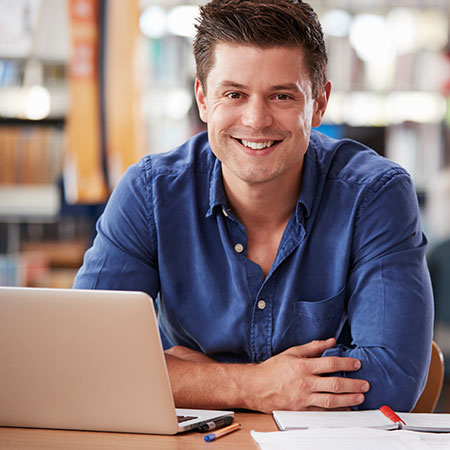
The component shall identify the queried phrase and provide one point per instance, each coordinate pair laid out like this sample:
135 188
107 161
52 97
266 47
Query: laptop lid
85 360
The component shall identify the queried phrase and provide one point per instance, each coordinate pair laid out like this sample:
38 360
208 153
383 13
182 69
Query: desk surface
35 439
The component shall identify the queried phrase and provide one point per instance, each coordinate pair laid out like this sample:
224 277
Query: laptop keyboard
185 418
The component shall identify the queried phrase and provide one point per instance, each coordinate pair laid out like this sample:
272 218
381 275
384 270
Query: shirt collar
309 182
216 192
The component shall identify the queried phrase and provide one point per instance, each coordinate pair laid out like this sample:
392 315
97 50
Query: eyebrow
232 84
285 87
278 87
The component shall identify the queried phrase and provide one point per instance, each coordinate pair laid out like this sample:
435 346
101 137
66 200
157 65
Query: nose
256 114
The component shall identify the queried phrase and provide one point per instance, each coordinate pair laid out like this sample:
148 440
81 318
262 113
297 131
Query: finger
333 401
339 385
312 349
330 364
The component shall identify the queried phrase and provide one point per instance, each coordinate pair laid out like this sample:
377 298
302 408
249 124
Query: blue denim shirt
351 263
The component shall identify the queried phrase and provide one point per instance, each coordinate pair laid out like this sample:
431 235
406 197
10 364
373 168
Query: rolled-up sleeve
390 303
123 255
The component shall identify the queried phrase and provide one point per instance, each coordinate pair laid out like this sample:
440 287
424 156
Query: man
289 266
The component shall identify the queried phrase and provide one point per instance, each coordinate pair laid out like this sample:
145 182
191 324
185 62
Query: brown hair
261 23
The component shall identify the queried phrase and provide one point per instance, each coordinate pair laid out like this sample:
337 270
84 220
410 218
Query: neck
269 204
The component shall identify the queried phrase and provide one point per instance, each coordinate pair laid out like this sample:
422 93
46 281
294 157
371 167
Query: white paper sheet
349 438
437 441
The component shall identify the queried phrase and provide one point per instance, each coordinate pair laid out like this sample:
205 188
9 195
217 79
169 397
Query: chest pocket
318 319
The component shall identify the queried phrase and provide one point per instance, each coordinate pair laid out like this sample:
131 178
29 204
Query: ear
200 97
320 104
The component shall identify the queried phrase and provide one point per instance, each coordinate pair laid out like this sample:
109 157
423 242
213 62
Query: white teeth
257 145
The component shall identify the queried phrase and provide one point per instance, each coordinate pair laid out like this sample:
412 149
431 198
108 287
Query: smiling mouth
257 145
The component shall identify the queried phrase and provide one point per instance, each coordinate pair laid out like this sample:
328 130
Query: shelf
57 122
29 203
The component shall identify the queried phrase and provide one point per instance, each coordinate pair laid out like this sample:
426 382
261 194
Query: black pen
215 424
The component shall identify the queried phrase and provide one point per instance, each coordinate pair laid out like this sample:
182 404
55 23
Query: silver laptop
86 360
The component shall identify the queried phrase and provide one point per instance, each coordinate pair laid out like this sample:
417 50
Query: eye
234 95
282 97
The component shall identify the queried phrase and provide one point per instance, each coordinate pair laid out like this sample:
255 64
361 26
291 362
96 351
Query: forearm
291 380
211 385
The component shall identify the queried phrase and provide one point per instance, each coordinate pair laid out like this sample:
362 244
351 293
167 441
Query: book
383 418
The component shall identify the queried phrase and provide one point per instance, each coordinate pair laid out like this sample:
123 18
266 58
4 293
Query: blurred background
87 87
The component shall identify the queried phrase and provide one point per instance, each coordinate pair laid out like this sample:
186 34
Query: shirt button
224 212
261 304
238 248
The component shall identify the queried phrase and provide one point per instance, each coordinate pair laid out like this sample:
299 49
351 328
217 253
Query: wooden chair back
430 395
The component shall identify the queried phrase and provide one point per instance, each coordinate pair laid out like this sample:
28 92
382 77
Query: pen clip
390 414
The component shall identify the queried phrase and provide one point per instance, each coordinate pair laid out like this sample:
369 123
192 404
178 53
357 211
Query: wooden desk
36 439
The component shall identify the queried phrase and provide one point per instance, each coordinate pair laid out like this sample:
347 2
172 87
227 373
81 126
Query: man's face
259 110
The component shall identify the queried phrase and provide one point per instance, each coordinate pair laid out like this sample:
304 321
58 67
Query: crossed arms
292 380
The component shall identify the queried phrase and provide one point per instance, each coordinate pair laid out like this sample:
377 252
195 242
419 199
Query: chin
256 178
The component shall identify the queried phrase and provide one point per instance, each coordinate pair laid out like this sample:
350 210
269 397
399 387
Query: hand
293 380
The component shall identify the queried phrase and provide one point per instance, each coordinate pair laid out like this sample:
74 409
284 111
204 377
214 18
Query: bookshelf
32 145
33 107
31 155
52 126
